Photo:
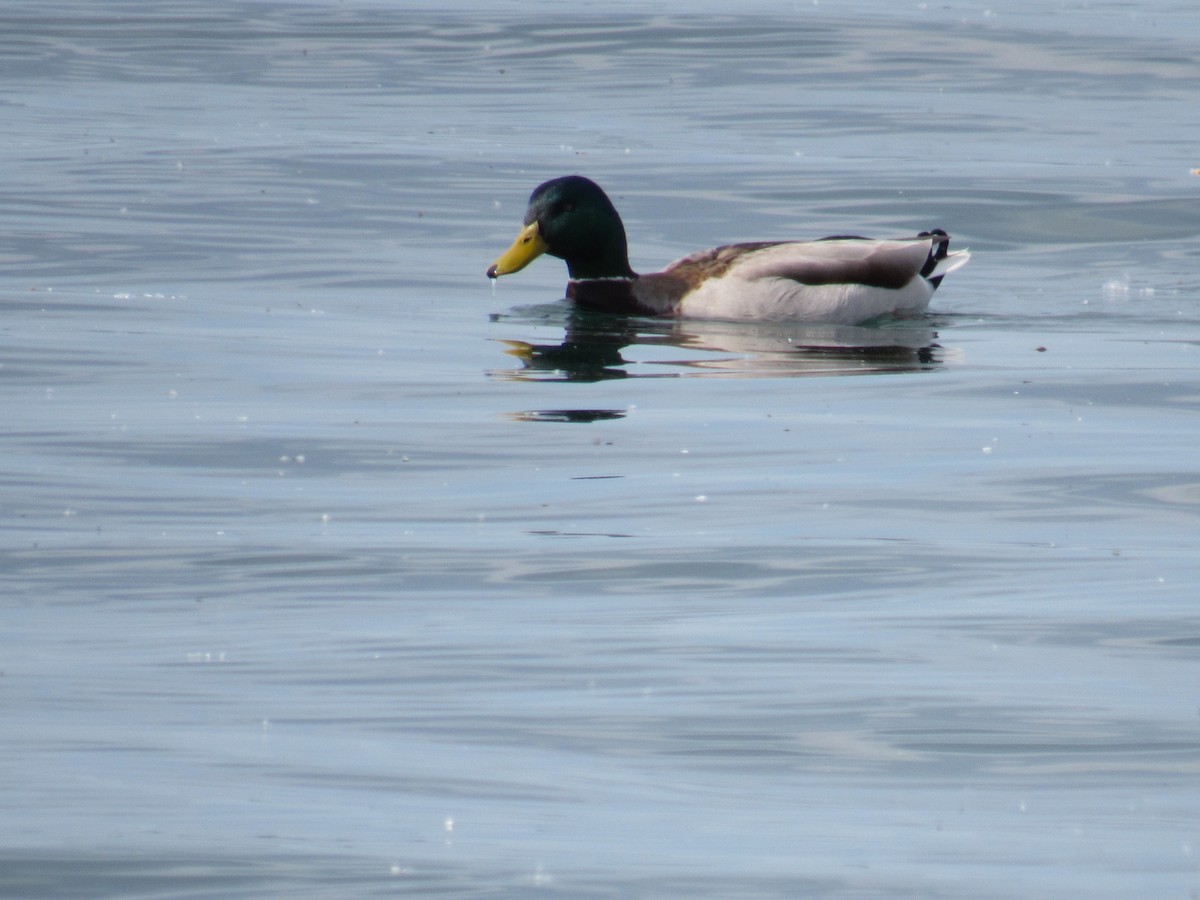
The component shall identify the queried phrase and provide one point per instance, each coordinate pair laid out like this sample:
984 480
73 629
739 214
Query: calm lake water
312 587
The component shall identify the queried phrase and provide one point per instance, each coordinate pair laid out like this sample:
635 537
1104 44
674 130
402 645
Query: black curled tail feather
938 250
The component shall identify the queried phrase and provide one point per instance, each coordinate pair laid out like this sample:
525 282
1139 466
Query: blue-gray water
312 589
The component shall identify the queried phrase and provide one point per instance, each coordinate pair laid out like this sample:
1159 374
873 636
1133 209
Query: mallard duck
840 280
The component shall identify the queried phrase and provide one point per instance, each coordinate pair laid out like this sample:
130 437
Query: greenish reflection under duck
595 347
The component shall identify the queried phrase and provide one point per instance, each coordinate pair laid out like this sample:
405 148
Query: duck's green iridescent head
573 219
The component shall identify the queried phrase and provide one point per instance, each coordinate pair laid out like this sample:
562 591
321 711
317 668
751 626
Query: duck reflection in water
598 346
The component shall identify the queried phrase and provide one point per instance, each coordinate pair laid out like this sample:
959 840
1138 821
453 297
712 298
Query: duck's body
840 280
837 280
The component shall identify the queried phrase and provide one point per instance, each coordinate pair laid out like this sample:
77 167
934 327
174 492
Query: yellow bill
519 349
525 249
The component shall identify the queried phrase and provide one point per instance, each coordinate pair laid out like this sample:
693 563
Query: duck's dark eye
566 206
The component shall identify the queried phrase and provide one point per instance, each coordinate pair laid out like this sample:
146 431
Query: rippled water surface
330 570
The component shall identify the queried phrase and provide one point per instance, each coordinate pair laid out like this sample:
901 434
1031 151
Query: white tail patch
954 260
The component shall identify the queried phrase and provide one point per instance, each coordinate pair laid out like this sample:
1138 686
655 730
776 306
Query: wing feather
883 264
